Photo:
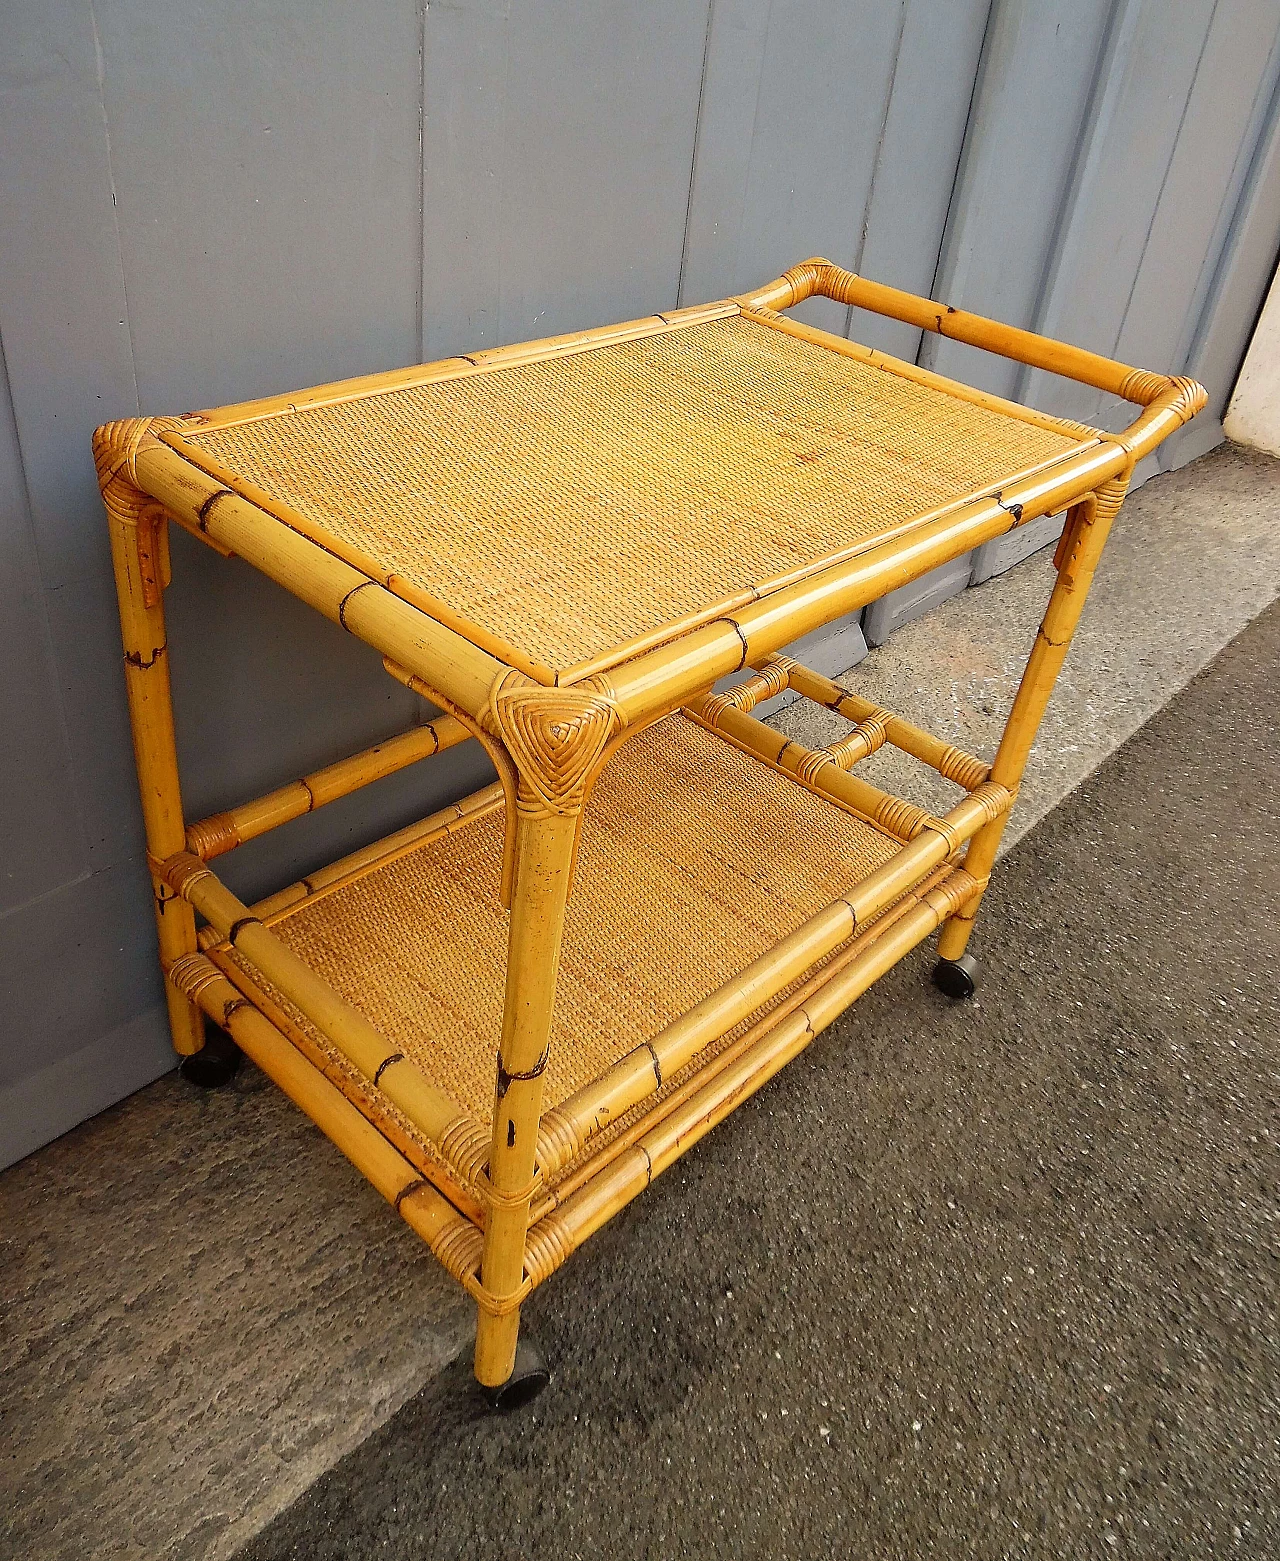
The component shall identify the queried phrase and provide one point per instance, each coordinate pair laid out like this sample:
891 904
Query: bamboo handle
1179 399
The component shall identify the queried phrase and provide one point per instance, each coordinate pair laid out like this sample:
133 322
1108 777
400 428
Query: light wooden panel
271 239
559 143
43 839
1128 155
1032 102
795 101
918 159
1216 148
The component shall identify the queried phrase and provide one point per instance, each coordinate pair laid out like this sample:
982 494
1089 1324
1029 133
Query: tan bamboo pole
601 1197
421 1205
139 555
1087 528
430 1110
558 739
663 678
358 864
460 670
951 763
638 1074
461 367
544 850
210 837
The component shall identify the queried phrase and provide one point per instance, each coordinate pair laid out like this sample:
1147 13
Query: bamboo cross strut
513 1014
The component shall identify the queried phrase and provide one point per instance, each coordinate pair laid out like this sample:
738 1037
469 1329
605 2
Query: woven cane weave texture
694 861
567 506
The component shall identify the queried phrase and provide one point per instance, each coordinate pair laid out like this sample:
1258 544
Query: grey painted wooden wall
207 200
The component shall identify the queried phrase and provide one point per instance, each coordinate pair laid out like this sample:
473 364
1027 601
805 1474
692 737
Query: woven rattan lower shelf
694 861
513 1015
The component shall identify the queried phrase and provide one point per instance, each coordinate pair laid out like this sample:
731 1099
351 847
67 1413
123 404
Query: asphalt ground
992 1279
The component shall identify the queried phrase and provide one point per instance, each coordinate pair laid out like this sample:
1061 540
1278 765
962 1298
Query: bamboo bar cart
516 1013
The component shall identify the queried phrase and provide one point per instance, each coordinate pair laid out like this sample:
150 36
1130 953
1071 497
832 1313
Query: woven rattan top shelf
567 505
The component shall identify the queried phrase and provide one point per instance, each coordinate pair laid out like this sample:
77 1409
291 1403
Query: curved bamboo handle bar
221 832
1170 400
428 1108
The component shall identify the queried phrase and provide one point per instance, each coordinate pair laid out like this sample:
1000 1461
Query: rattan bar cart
563 547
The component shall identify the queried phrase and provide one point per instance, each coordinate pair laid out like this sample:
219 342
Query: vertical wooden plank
1033 91
62 300
816 117
265 156
63 318
1218 138
722 167
1136 131
1234 295
77 961
74 966
464 131
40 826
915 171
558 154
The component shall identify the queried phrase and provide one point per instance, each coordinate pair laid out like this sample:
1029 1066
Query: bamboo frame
524 1190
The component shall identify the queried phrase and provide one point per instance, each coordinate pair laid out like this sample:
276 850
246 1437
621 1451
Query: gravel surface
997 1279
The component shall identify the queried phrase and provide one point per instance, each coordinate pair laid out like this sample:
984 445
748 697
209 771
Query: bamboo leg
544 851
557 740
1086 532
139 554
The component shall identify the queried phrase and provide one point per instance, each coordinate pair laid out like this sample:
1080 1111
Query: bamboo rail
951 763
566 1128
661 679
221 832
564 1183
450 1236
1170 400
357 864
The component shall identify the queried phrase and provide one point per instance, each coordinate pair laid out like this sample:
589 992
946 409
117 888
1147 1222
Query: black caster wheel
956 978
529 1376
216 1063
